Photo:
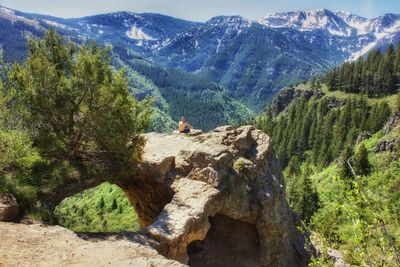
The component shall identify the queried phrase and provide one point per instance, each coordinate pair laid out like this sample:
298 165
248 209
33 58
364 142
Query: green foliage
18 157
239 163
101 209
361 221
300 191
324 129
361 162
397 108
376 75
65 115
205 104
344 168
72 102
356 213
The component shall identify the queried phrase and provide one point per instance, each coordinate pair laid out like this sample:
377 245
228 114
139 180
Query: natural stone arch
229 173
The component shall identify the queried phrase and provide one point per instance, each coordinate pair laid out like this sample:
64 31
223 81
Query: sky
199 10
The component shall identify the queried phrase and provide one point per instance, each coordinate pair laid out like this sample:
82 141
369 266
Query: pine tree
114 204
344 168
310 201
101 204
361 161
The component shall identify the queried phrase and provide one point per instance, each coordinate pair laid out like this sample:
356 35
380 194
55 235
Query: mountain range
250 60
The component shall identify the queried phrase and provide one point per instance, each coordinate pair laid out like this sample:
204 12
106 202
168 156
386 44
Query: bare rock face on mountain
392 123
9 209
216 199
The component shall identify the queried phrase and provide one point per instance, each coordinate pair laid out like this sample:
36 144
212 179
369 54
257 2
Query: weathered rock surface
337 258
289 94
392 123
208 181
216 199
363 136
387 145
9 209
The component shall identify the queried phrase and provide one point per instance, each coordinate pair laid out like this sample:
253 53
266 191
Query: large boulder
227 203
9 209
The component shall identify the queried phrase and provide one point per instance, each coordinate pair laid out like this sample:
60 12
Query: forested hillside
205 104
376 75
341 157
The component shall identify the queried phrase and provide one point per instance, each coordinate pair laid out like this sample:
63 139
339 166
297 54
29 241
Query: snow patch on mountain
360 24
6 10
57 25
339 23
363 51
349 27
137 33
9 14
308 21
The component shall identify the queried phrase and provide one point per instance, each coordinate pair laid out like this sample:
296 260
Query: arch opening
112 208
229 242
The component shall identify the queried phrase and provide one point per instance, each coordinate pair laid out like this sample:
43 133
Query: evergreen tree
309 201
101 203
114 204
73 102
361 162
344 168
377 74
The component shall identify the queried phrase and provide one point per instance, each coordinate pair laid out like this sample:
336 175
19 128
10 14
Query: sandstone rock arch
185 188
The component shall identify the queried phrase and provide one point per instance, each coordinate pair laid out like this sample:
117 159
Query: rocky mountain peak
339 23
229 21
307 21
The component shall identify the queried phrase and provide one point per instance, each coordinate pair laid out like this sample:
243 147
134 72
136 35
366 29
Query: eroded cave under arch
229 242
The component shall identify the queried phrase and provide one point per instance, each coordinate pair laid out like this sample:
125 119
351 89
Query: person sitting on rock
184 126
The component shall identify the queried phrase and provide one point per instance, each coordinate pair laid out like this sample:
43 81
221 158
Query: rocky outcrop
285 96
392 123
387 145
225 177
216 199
9 209
337 258
363 136
289 94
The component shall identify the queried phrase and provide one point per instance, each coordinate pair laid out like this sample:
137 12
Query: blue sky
200 10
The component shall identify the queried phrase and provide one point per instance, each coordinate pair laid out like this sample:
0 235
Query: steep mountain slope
253 60
126 29
206 104
363 34
341 151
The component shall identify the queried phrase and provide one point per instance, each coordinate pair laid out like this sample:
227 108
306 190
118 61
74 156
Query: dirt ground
39 245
